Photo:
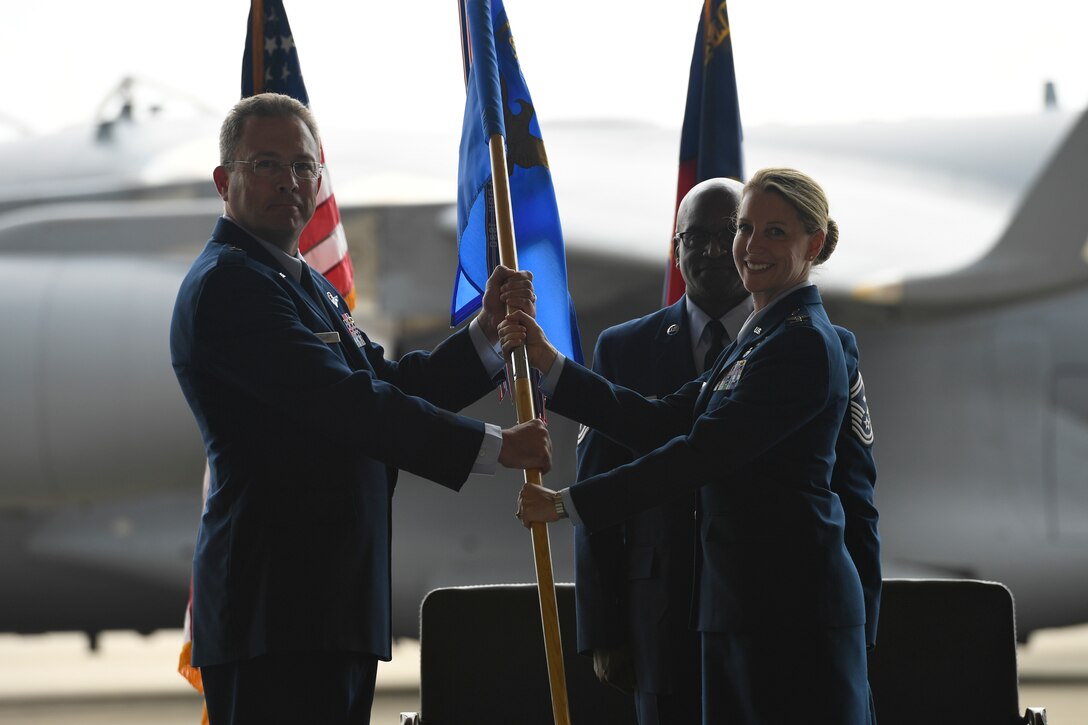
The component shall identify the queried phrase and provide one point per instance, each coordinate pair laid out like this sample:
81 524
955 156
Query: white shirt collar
292 265
732 321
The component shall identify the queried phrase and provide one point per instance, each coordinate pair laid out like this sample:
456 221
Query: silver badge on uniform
333 299
732 377
582 430
860 423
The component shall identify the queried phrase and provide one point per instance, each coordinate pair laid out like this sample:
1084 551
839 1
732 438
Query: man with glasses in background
305 424
634 581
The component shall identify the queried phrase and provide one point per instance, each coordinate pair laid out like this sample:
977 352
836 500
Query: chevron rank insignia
860 423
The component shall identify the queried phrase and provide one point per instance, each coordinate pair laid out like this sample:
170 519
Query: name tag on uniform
732 377
331 338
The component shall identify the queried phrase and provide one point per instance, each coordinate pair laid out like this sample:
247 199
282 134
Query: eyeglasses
699 239
303 170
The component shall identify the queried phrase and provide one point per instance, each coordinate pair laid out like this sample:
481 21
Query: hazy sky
396 63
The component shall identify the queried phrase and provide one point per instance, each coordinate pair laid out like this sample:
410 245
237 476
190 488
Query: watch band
560 508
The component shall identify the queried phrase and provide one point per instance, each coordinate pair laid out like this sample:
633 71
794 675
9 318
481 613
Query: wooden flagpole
523 399
256 50
518 365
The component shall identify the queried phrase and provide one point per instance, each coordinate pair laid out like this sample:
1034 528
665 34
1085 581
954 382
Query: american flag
270 63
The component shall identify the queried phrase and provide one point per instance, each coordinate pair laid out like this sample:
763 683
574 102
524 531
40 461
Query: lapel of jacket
753 338
672 343
227 232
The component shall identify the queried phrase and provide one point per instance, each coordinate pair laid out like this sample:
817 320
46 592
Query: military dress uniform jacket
756 436
854 481
634 580
636 577
305 425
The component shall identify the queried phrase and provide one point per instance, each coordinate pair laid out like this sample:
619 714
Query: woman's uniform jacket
634 581
756 436
305 424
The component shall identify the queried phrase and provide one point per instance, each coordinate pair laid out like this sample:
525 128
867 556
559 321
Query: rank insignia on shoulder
232 255
729 380
797 317
582 431
861 425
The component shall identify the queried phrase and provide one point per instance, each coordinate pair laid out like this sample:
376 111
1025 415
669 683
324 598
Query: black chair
482 661
946 652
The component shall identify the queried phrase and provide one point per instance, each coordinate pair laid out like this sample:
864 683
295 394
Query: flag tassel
518 364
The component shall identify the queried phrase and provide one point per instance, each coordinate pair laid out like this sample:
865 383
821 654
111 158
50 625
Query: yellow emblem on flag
717 28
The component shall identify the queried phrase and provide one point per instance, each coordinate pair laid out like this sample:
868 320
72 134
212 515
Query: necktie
310 288
715 331
307 283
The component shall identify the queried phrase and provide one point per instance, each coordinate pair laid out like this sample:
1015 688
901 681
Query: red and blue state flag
711 138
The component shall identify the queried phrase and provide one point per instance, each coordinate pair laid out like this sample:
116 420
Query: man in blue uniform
634 580
305 424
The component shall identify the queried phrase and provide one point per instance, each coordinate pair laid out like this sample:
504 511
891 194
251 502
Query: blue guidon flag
498 102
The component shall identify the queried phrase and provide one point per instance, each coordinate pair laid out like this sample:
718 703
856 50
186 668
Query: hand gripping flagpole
483 40
518 363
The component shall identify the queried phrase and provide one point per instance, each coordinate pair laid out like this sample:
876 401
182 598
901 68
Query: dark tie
307 283
311 289
716 332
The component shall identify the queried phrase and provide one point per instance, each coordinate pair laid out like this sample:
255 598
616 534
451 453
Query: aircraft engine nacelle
89 405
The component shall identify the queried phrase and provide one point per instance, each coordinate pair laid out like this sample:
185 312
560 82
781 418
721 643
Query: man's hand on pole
527 446
506 290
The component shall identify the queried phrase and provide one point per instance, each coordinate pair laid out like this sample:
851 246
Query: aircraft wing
1043 250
